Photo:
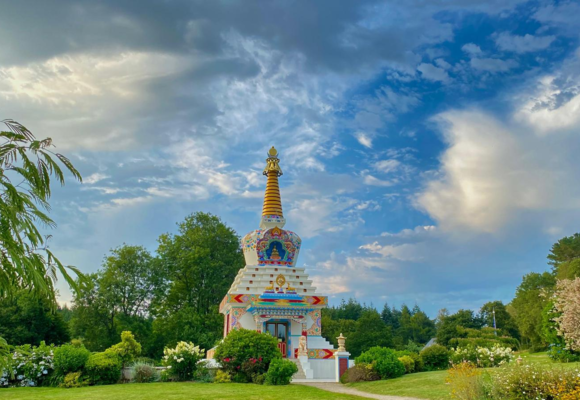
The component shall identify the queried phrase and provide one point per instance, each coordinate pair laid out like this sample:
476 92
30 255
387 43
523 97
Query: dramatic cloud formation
426 159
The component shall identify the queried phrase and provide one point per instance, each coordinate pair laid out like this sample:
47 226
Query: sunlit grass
431 385
174 391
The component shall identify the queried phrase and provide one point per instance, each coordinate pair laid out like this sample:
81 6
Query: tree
567 303
118 298
370 331
503 320
450 325
531 298
421 328
26 168
565 257
199 263
28 319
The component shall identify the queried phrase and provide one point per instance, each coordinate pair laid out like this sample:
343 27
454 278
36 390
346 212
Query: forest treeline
174 295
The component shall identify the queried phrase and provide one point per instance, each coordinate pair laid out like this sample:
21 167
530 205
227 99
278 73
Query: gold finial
272 200
272 162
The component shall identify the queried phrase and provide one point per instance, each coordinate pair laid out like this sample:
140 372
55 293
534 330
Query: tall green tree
564 257
532 296
26 168
503 319
450 325
199 262
370 331
28 319
117 298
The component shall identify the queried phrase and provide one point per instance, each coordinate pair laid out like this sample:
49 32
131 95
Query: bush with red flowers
246 355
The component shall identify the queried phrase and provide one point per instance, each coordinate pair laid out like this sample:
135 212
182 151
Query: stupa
272 294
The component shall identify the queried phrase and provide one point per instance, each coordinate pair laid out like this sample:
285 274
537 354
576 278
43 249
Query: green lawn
423 385
431 385
174 391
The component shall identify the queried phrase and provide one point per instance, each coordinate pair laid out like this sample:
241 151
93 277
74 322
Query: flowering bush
482 356
246 354
28 366
524 382
465 381
182 360
567 303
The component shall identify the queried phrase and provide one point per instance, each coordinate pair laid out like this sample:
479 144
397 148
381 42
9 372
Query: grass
173 391
423 385
431 385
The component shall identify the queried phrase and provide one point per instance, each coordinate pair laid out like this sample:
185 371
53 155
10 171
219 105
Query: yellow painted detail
272 199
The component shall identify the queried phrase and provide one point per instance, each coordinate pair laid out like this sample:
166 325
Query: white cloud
522 44
407 233
94 178
492 171
492 64
472 49
433 73
387 166
364 139
370 180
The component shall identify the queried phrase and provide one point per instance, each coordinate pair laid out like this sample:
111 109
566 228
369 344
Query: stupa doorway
279 330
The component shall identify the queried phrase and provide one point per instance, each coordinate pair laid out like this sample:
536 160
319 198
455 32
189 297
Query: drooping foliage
27 166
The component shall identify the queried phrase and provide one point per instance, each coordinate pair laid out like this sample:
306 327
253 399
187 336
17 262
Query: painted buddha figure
275 255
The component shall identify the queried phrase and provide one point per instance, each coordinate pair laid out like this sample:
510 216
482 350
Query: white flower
169 367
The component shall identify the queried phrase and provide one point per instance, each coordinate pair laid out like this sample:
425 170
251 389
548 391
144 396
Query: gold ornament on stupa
272 199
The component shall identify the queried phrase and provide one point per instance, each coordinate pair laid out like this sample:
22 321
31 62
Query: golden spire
272 199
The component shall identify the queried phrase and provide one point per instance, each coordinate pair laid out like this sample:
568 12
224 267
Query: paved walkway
340 388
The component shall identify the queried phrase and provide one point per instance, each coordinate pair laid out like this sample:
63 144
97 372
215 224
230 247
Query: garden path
340 388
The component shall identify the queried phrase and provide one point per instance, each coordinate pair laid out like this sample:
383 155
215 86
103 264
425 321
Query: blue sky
429 148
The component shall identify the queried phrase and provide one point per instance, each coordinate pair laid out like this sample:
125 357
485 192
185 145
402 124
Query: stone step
300 374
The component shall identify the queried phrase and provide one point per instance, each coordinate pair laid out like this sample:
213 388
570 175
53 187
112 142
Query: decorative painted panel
316 327
235 316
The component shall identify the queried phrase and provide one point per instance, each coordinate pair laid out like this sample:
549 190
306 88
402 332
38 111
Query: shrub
485 342
413 347
361 372
144 373
28 366
182 360
259 379
523 382
222 377
240 347
559 353
103 368
408 363
465 382
418 367
483 357
73 380
280 372
203 373
70 358
127 349
435 357
384 362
